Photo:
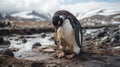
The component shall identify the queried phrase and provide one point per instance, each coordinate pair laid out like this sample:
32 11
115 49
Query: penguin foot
61 54
70 56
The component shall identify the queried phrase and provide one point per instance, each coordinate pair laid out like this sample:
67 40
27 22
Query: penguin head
59 18
58 21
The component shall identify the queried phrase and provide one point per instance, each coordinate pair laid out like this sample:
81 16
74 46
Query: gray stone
24 41
36 45
104 39
7 52
43 35
1 40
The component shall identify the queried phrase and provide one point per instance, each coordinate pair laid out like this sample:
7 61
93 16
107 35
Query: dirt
46 59
94 53
93 57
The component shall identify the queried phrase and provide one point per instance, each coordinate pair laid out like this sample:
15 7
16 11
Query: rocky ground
34 47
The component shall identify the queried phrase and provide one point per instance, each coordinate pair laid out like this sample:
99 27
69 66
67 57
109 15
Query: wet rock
35 64
16 39
88 37
21 37
7 52
96 34
115 37
6 42
5 23
100 33
115 29
1 40
112 35
51 39
24 41
104 35
113 40
104 39
36 45
43 35
15 49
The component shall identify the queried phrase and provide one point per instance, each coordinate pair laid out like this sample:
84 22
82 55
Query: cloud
50 6
89 6
46 6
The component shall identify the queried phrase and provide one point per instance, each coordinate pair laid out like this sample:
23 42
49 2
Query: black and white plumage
68 31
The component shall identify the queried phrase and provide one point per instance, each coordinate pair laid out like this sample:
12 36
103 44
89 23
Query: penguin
68 34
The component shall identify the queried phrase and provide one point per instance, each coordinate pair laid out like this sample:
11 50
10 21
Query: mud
35 48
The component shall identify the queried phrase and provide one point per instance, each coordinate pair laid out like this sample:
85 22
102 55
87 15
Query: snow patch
103 11
30 42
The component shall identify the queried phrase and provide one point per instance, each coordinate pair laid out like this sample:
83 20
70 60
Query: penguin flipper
78 31
78 35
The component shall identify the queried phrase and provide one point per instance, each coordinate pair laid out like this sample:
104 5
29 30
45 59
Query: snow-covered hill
2 15
100 16
103 12
26 16
32 15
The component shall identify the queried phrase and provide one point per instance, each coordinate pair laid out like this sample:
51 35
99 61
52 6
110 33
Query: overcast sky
50 6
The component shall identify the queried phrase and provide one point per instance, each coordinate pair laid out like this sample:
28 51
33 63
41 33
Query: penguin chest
67 38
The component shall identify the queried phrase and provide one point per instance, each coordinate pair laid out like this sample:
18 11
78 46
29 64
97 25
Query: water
24 43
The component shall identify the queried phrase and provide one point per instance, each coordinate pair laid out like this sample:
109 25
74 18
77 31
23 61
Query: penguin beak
57 42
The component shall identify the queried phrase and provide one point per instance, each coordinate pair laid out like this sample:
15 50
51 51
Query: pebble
24 41
36 45
104 39
43 35
105 35
49 50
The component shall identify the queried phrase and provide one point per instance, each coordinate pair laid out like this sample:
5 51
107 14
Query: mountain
26 16
2 15
100 16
